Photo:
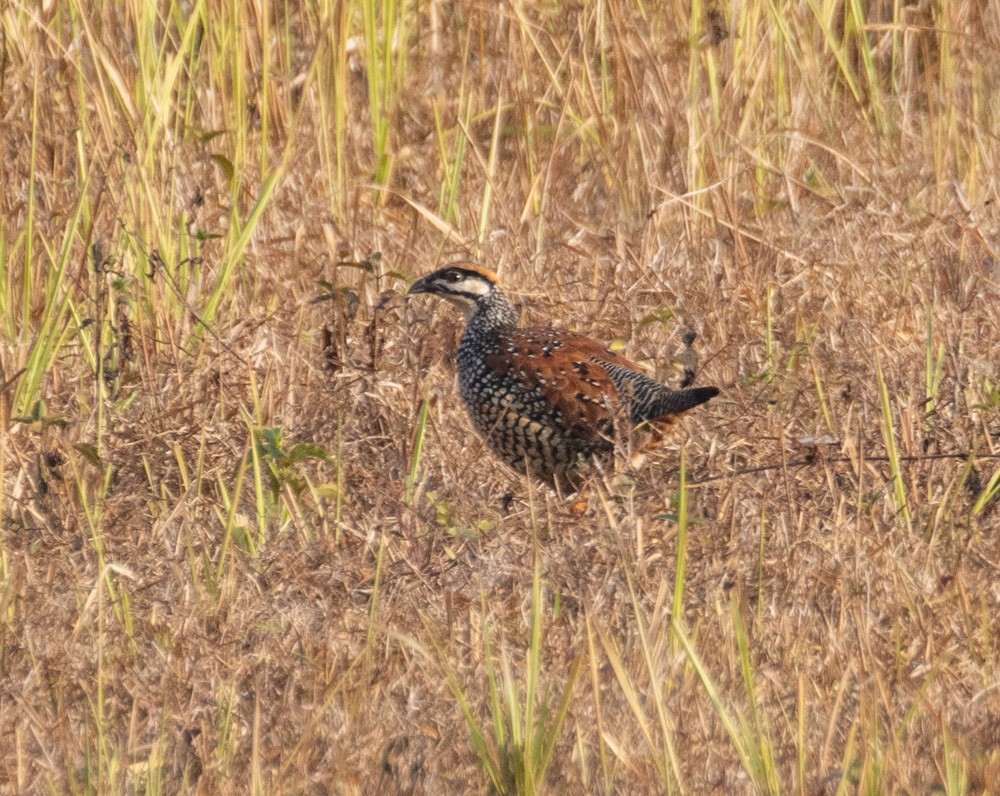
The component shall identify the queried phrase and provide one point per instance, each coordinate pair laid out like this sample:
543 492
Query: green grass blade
895 465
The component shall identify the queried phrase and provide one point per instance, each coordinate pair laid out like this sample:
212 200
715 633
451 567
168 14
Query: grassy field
250 542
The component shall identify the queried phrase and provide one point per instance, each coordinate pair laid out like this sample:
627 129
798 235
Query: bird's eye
453 276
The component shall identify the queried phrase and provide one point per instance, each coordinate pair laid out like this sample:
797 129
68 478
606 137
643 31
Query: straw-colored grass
248 539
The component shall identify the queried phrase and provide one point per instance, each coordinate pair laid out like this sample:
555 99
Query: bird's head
466 285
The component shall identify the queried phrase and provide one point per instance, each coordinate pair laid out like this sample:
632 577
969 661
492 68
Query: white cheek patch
472 286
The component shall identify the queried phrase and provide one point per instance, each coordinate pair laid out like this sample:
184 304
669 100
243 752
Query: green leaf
226 165
662 316
301 451
269 442
89 452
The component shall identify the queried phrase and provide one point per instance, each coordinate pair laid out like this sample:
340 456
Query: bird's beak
422 285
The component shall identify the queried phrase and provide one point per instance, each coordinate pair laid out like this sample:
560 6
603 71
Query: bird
549 402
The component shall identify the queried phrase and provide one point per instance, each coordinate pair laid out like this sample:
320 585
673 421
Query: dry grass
234 556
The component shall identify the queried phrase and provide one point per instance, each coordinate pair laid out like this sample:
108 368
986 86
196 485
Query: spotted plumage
547 400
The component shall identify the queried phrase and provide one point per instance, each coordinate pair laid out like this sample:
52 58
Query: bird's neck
492 313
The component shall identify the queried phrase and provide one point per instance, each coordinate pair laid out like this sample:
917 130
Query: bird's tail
674 402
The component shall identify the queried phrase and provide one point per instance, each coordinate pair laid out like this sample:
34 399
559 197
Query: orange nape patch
476 268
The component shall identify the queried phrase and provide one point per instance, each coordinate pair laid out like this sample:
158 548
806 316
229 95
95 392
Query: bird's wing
569 372
588 383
